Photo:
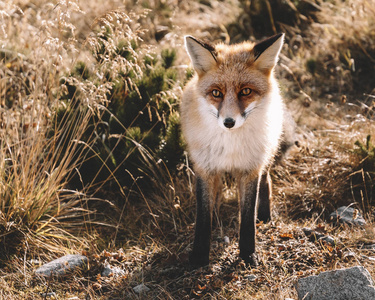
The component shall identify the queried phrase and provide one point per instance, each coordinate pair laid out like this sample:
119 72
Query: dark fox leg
248 202
265 196
201 248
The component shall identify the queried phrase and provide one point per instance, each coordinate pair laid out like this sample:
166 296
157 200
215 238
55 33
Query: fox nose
229 122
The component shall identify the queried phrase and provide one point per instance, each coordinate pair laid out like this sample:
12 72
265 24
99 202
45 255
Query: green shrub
363 179
367 154
141 111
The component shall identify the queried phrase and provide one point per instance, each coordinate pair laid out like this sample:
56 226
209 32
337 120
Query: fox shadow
167 273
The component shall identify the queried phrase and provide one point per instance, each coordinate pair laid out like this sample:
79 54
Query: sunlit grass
42 217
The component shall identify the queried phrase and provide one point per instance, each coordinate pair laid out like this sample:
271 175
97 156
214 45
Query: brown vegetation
326 74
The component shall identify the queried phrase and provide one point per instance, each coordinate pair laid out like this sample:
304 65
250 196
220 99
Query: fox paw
197 260
265 218
251 259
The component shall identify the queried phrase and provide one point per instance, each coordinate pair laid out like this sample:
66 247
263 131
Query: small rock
369 247
139 289
315 236
63 265
328 239
34 261
348 215
45 295
112 271
307 231
346 284
251 277
349 254
226 240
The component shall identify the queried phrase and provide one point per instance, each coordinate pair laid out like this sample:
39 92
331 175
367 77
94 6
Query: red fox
232 118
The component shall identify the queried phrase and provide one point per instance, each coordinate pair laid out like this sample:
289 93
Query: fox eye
217 93
246 92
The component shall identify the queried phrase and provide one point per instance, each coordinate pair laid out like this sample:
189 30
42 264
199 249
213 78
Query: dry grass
34 201
318 176
334 56
38 154
149 236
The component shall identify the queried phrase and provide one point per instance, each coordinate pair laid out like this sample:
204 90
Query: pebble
348 215
112 271
350 254
251 277
328 239
315 236
369 247
45 295
63 265
139 289
34 261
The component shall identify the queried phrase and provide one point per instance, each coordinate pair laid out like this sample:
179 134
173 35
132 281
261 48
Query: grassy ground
325 76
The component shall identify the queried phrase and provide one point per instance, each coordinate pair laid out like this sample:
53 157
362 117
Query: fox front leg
248 204
265 196
201 248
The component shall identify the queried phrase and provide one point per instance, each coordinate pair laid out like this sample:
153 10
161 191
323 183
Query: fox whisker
213 113
249 111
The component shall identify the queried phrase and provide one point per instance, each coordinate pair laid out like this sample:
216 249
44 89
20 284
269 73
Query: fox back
231 110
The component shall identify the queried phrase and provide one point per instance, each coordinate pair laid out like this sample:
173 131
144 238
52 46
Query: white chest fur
247 148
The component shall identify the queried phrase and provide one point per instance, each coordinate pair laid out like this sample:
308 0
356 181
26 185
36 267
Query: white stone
139 289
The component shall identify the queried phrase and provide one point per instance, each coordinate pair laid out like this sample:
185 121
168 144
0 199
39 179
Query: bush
36 208
140 111
363 178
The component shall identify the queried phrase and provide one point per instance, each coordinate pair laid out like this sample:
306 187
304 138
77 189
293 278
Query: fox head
233 81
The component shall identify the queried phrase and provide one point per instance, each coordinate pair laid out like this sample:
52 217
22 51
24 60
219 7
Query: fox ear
202 55
267 52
